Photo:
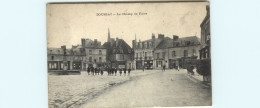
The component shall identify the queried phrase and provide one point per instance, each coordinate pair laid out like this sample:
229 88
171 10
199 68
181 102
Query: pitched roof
186 41
57 51
165 44
119 46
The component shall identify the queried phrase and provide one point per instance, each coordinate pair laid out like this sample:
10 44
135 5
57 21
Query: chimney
153 36
83 42
175 37
95 41
160 36
133 44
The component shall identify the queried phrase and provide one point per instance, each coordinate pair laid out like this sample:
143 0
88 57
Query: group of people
111 71
95 71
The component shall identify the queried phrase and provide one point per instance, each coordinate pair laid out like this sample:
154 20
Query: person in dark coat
125 71
92 70
129 70
120 71
112 71
101 71
115 71
108 71
95 71
88 70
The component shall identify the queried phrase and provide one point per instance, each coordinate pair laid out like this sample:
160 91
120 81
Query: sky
68 23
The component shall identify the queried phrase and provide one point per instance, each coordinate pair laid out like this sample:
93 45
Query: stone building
119 53
79 57
56 58
144 52
205 36
183 51
161 53
95 53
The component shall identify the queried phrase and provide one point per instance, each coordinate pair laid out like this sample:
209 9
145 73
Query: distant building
95 53
144 52
183 51
89 53
161 53
205 36
119 53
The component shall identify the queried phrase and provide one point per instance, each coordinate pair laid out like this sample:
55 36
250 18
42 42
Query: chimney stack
160 36
175 37
153 36
83 42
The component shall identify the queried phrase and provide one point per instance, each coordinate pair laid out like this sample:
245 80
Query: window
163 54
145 45
185 53
193 52
173 53
90 59
100 52
52 57
157 55
136 55
90 52
121 57
100 59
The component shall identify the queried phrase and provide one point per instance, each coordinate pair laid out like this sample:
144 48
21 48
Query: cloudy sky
68 23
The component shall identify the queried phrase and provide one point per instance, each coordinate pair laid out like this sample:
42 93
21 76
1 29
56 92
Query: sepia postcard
128 54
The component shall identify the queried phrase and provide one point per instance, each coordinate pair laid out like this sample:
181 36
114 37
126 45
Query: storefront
139 64
118 64
159 63
76 65
53 65
148 64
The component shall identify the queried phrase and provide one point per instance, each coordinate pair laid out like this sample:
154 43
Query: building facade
119 54
205 36
144 52
80 57
184 51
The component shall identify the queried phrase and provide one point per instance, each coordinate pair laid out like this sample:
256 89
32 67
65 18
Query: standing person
108 71
163 67
95 70
143 68
92 70
178 68
125 71
112 71
115 71
101 70
129 70
88 70
120 71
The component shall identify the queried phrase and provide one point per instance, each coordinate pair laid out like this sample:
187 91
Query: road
165 89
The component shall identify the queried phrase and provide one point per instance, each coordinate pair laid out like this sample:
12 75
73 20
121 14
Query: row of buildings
154 53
